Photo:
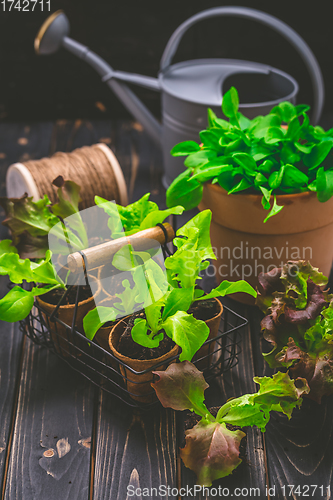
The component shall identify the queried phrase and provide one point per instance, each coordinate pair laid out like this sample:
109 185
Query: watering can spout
54 34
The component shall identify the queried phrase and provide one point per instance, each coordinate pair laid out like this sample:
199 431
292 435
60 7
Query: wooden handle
100 254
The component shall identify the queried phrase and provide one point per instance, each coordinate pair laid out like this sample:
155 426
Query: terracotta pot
245 246
137 385
60 335
206 351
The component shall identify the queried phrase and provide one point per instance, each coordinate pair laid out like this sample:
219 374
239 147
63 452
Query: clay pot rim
127 360
251 196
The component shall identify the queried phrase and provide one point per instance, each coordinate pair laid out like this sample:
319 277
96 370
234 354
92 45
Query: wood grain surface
62 438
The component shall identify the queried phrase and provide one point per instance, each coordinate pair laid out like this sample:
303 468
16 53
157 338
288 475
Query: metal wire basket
95 360
112 375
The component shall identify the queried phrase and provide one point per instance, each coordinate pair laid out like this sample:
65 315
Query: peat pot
60 334
245 246
138 384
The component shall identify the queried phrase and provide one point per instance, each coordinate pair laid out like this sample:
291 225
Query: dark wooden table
63 438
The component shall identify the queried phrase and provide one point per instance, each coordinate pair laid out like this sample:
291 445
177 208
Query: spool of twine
94 168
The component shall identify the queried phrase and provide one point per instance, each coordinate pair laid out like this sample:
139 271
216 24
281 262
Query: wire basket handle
96 256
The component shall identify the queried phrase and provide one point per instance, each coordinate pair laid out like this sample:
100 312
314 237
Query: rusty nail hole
48 453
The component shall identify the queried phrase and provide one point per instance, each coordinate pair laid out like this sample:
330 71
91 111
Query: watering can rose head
279 153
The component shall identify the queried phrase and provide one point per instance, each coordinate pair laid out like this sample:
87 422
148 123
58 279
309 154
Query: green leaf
200 222
274 135
140 334
6 246
208 173
324 184
214 122
277 393
184 191
179 299
229 287
181 387
275 210
261 125
300 109
187 332
318 154
17 269
285 111
241 186
259 180
200 158
230 103
185 148
96 318
153 315
16 305
294 129
275 178
265 167
154 218
210 138
246 161
24 216
265 201
293 177
304 148
288 154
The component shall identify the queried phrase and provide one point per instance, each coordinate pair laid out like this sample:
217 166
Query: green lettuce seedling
167 315
256 156
212 449
137 216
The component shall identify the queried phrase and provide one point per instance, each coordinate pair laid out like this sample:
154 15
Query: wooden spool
94 168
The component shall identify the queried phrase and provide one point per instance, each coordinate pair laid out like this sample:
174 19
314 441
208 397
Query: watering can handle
295 40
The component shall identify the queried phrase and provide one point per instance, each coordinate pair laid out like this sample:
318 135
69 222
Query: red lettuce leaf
211 451
316 300
181 387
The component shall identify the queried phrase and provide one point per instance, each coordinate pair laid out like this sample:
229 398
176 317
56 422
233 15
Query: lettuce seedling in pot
212 448
299 324
168 316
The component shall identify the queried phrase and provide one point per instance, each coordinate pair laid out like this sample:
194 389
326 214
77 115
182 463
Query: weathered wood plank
141 161
299 451
11 346
50 452
133 450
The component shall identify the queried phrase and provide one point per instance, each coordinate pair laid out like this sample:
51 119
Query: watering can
189 88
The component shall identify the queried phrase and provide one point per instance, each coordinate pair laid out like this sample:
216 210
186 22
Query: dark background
131 35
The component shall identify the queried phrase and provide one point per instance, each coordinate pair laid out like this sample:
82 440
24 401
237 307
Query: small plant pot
245 246
60 334
138 385
207 350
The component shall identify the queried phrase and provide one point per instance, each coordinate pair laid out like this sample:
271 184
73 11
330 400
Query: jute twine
89 167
